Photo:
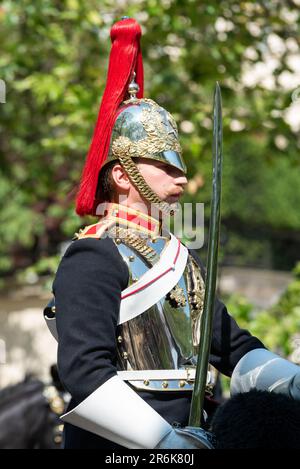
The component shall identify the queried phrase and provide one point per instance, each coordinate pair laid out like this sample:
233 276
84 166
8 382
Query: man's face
165 180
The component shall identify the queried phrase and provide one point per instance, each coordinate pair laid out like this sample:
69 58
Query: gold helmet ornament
128 126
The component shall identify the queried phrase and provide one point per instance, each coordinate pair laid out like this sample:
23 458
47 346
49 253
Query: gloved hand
265 371
187 438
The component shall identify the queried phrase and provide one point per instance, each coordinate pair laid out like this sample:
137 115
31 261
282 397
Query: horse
257 419
29 415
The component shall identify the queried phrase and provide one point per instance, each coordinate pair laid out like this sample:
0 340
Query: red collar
130 218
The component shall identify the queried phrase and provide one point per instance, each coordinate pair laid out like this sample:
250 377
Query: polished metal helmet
143 129
127 129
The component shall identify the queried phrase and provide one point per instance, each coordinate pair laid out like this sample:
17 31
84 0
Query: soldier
129 295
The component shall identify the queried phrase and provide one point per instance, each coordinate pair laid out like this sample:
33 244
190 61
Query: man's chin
174 207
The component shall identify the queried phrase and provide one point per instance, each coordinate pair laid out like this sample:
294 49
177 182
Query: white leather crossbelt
155 283
150 288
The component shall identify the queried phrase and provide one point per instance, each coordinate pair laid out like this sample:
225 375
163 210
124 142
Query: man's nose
181 180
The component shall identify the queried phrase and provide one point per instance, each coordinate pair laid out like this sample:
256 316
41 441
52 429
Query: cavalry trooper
129 295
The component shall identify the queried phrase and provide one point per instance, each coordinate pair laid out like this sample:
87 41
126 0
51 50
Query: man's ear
120 178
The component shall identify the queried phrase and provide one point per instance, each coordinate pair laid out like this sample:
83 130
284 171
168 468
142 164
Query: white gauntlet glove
115 412
266 371
187 438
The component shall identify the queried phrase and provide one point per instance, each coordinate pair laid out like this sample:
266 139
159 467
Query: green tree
276 326
54 58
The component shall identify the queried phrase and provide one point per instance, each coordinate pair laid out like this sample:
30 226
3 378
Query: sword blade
212 266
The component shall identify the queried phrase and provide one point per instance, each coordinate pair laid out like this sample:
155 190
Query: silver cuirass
165 336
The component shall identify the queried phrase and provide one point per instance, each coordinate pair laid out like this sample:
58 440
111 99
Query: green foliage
54 58
41 272
276 326
240 309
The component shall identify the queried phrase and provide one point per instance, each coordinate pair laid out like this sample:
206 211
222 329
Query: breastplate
166 336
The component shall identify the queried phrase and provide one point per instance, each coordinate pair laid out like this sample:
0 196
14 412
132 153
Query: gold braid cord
158 140
135 241
141 185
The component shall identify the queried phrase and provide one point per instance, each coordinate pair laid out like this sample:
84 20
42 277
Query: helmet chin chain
144 189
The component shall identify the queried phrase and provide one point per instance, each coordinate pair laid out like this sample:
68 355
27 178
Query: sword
212 260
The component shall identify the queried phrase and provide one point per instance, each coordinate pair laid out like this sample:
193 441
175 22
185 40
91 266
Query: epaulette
94 231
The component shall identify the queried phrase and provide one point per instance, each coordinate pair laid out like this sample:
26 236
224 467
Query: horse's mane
20 391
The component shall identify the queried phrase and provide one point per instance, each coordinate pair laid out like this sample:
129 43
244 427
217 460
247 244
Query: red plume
125 58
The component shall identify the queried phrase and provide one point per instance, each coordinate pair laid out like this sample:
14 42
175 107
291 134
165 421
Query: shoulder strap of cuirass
156 282
151 287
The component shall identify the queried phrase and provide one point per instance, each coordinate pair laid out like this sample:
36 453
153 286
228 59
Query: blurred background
53 62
